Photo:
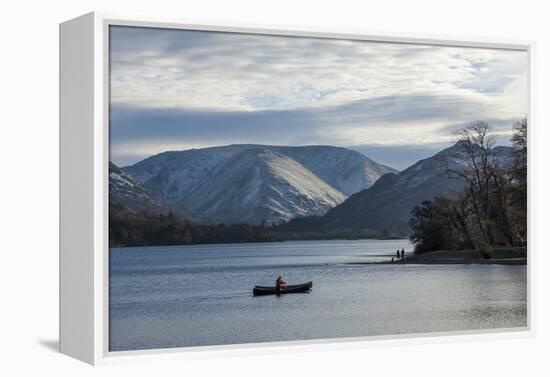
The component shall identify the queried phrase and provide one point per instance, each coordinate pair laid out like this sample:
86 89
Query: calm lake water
175 296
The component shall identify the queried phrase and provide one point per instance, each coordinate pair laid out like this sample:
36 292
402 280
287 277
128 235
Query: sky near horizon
182 89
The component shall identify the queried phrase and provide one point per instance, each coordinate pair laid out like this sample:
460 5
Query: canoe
297 288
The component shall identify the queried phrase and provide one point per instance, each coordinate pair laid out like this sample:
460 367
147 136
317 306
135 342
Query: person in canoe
279 284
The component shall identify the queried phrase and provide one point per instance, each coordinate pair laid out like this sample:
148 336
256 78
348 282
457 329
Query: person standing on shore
402 255
398 256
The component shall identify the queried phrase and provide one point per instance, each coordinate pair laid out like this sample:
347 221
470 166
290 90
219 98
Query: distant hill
138 219
256 184
126 192
385 207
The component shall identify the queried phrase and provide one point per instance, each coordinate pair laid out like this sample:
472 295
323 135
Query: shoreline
116 246
502 256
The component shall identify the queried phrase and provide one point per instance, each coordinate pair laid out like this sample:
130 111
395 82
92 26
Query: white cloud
301 90
250 72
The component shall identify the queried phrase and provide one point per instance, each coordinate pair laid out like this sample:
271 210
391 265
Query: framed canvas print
225 186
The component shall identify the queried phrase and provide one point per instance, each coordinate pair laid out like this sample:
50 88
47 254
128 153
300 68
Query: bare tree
461 218
519 140
502 196
475 168
492 208
519 193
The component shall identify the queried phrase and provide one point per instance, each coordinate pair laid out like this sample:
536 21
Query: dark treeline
336 234
492 209
300 228
128 228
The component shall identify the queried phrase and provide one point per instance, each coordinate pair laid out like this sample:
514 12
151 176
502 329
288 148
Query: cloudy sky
179 89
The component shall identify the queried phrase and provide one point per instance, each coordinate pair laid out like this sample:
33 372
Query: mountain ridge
385 207
273 187
178 177
126 192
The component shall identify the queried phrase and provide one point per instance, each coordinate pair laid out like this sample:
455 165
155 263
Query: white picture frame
84 141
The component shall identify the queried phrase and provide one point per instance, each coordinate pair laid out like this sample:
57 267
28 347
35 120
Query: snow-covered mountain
388 203
256 183
125 192
261 185
172 175
346 170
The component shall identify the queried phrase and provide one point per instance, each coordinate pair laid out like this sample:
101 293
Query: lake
178 296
